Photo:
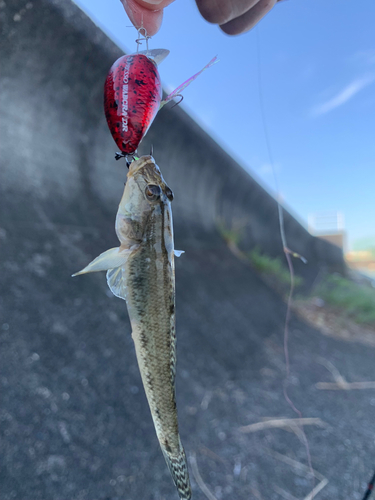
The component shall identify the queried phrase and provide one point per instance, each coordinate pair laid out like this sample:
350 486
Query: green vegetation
352 300
356 301
231 236
272 268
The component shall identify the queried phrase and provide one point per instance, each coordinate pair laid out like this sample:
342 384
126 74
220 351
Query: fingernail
153 2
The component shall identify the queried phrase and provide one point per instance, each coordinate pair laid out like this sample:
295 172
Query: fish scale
155 355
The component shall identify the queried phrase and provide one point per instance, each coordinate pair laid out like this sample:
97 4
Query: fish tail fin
177 465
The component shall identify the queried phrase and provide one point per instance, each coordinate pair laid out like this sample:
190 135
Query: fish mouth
136 165
146 171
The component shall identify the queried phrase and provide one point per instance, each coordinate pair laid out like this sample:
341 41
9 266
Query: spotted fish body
141 271
132 96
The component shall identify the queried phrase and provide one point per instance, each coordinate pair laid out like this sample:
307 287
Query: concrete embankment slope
75 422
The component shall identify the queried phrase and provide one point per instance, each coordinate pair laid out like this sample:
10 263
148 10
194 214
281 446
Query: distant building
363 261
329 226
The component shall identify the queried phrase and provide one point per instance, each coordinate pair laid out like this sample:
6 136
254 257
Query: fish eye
153 192
169 193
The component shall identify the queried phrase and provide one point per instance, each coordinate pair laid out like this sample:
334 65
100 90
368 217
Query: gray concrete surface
74 419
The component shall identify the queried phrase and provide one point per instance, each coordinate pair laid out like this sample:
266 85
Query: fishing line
370 488
288 254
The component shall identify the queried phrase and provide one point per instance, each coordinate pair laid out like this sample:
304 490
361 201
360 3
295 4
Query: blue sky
317 79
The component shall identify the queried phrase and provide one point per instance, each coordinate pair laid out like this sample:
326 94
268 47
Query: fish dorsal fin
117 282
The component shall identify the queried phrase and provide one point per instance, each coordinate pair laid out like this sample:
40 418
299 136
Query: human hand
233 16
146 13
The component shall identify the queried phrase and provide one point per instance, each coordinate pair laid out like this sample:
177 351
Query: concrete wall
56 139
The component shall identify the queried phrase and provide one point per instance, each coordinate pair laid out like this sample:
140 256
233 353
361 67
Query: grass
272 268
351 299
356 301
231 236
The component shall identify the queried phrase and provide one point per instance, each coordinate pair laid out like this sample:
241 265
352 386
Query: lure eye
153 192
169 193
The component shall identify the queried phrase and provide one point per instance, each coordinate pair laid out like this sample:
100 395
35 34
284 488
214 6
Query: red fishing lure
132 96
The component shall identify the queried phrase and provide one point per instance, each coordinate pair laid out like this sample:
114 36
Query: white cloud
308 71
266 169
366 57
344 96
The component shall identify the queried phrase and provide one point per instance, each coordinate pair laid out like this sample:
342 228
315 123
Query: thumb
146 13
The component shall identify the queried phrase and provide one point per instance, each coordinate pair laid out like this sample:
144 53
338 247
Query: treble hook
129 158
119 155
179 102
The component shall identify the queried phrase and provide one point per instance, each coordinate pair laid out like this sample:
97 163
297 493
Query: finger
223 11
249 19
154 4
149 17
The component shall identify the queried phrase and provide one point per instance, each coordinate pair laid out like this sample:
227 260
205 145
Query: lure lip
156 55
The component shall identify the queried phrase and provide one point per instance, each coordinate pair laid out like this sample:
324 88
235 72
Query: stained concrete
75 421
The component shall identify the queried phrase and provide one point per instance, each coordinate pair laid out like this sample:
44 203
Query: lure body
132 96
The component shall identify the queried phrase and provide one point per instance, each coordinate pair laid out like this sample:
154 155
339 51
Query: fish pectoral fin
116 278
178 253
117 282
110 259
